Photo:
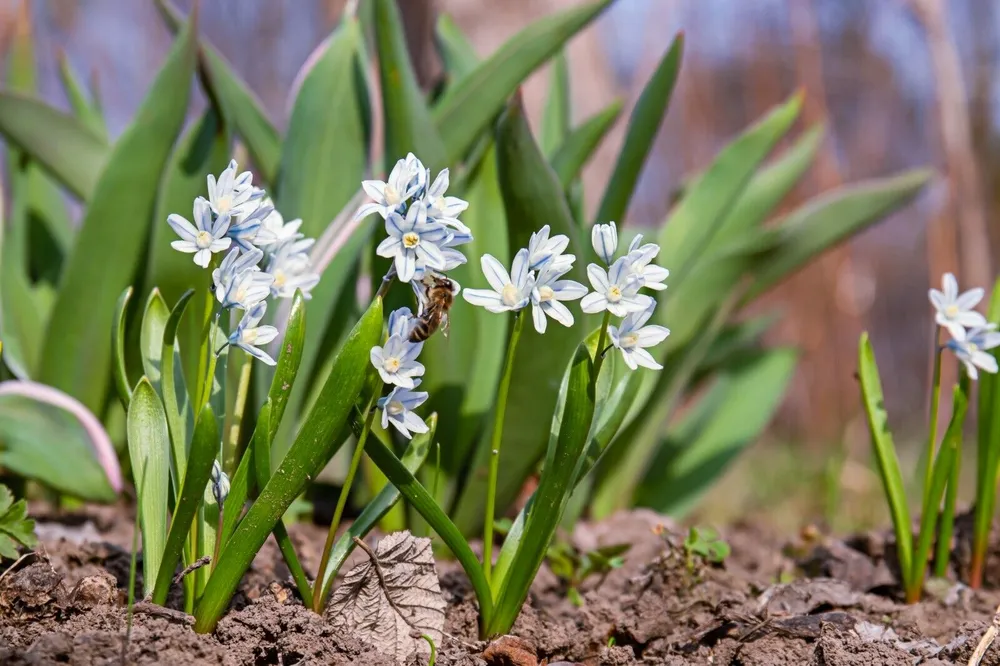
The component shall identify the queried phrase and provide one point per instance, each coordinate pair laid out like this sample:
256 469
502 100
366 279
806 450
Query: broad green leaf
66 148
21 324
579 145
77 347
204 446
457 53
325 152
312 449
408 125
87 110
288 361
203 149
885 453
469 106
768 187
560 471
149 453
556 119
532 198
47 436
698 449
708 201
413 458
643 126
174 390
154 320
239 105
830 218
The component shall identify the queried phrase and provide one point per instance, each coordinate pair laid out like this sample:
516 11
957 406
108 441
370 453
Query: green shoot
16 529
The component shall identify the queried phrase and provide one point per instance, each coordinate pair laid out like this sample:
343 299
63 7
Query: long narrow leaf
87 110
122 383
174 392
457 53
556 119
572 154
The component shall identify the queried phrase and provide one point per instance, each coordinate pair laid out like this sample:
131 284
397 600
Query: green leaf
148 450
325 152
288 361
174 392
735 344
77 347
239 105
408 125
560 471
118 368
15 527
154 320
457 53
469 106
204 446
556 119
413 459
313 447
532 198
68 150
643 126
89 112
987 452
579 145
830 218
21 323
47 436
732 415
696 219
885 453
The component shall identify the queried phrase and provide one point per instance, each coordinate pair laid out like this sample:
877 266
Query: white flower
648 275
291 270
441 208
616 290
970 348
248 231
204 239
235 264
542 249
397 409
220 484
954 310
401 323
396 361
407 178
233 194
510 292
248 335
413 242
633 336
604 238
452 258
279 231
546 296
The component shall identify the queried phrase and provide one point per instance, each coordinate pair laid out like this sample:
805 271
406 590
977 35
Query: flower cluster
396 363
971 334
266 257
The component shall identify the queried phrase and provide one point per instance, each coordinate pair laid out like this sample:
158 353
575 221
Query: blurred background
897 83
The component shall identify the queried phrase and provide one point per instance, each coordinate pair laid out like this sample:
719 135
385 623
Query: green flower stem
495 441
942 553
935 403
205 359
242 389
602 338
319 593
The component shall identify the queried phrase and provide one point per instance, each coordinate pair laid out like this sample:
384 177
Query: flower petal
648 336
495 273
970 299
538 318
559 312
591 303
482 297
184 246
182 227
598 278
519 269
645 359
950 285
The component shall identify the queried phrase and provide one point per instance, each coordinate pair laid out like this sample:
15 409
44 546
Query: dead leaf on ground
382 602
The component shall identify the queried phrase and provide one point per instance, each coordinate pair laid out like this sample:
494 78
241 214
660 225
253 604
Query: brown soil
66 605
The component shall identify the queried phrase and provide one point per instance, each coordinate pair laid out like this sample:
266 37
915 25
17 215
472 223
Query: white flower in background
647 274
970 348
204 237
241 286
413 242
441 208
248 335
236 262
220 484
542 249
405 180
233 194
247 231
955 311
396 361
509 291
604 238
397 409
616 290
291 270
633 336
401 323
548 292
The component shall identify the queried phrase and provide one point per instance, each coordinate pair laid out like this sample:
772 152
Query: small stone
510 651
97 590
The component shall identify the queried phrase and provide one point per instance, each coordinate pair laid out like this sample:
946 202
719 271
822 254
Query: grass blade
556 118
987 456
578 147
89 112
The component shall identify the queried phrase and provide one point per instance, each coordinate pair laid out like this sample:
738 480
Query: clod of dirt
99 589
30 588
806 596
510 651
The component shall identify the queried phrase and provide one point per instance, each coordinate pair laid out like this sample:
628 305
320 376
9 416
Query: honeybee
438 297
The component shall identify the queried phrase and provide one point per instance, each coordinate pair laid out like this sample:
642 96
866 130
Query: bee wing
445 321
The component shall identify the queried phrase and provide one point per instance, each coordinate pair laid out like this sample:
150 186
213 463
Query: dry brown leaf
385 603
